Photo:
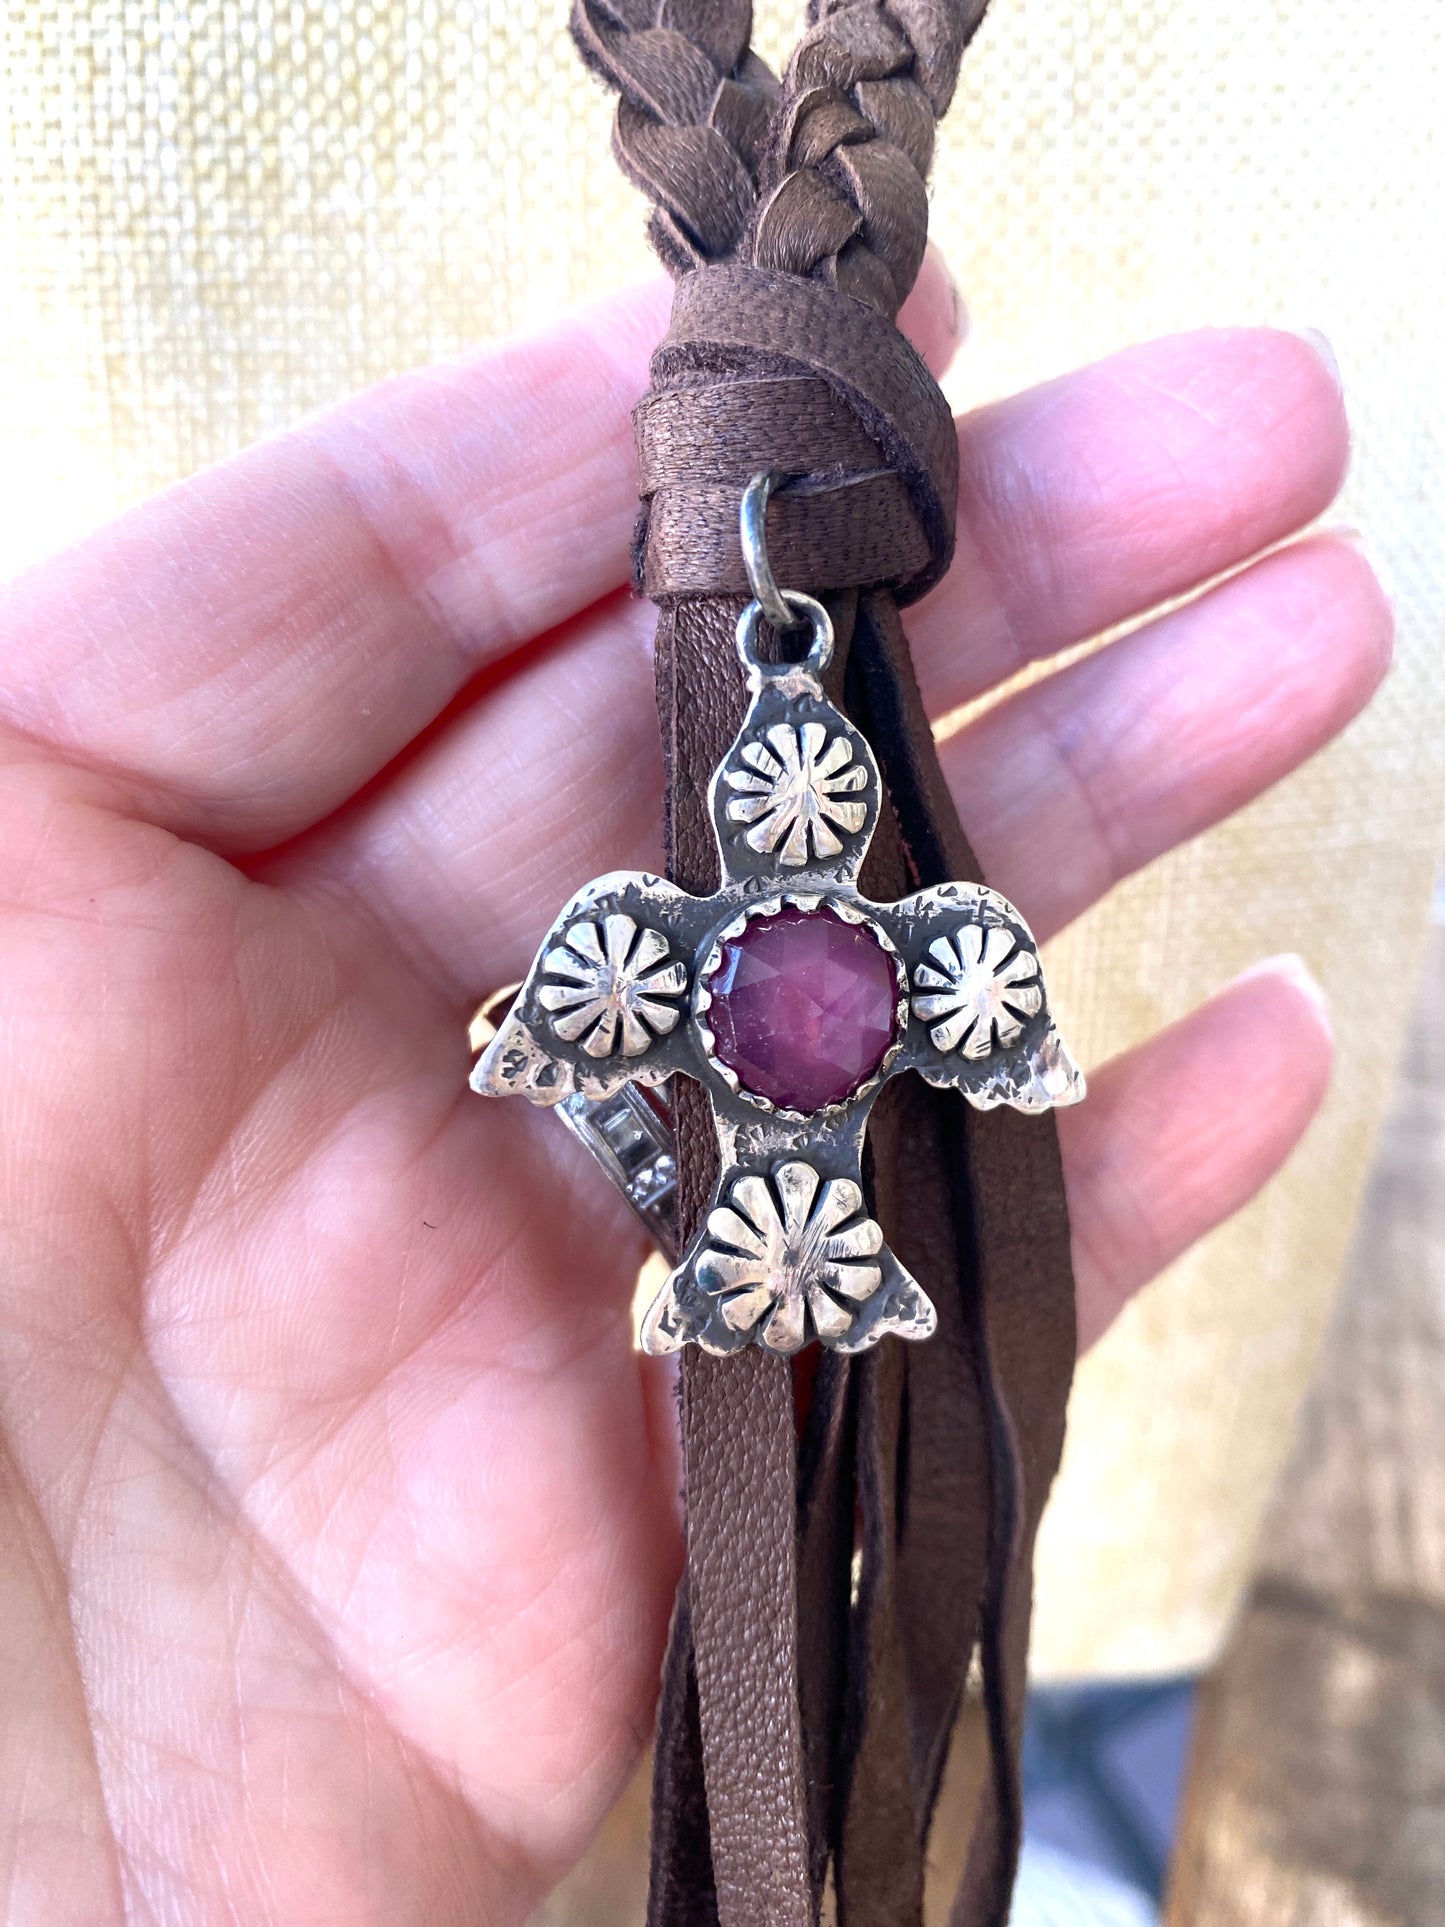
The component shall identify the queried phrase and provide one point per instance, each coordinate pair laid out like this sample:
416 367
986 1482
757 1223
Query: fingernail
1362 545
1319 345
962 322
1290 966
958 310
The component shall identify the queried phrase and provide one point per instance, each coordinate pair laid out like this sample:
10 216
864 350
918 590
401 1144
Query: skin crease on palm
339 1516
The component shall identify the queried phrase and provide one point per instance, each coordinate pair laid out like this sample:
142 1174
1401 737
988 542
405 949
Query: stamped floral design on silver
794 786
790 997
785 1250
982 985
611 986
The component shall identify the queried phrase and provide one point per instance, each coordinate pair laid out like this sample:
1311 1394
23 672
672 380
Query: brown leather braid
844 198
694 108
798 1728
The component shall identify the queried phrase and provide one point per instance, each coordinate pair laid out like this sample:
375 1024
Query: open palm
339 1517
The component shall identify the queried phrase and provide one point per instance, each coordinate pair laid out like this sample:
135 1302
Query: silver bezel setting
848 909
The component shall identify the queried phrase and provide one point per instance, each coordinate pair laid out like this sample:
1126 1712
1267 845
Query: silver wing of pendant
606 1000
979 1018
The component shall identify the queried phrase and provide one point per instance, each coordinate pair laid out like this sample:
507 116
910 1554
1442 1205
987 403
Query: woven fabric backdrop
219 214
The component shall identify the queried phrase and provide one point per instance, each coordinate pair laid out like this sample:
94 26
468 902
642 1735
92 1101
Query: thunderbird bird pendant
791 998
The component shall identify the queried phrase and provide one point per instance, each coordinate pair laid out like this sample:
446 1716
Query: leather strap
880 1846
827 1507
758 360
681 1890
800 1726
1010 1218
739 1439
741 1476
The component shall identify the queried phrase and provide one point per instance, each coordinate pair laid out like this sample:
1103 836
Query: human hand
338 1513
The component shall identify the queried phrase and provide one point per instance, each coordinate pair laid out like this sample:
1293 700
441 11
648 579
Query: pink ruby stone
802 1007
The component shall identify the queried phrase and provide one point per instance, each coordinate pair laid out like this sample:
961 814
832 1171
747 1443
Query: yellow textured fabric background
215 216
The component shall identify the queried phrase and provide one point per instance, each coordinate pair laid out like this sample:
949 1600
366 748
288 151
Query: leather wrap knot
763 370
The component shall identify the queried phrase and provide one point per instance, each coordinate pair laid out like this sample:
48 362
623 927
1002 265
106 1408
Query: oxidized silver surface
619 997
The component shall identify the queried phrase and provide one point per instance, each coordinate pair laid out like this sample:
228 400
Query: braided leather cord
844 196
694 108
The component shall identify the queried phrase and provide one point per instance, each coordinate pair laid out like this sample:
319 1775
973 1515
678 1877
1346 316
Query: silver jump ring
753 530
801 609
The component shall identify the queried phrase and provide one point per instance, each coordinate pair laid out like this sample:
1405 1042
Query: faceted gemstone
802 1007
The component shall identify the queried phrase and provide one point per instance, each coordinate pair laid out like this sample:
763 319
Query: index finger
253 646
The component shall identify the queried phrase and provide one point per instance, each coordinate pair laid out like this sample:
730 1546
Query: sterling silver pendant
791 998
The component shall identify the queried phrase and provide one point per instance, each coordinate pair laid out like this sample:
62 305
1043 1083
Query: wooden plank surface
1316 1795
